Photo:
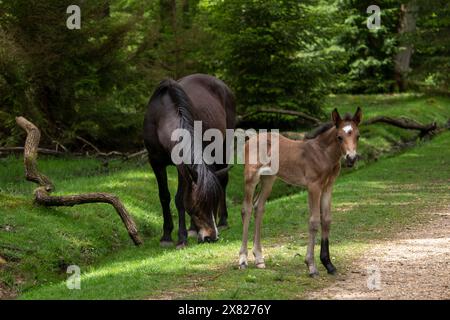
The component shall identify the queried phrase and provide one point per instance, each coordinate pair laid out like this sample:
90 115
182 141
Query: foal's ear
358 116
336 117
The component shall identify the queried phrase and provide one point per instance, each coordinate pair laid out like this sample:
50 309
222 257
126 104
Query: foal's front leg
314 194
246 216
266 189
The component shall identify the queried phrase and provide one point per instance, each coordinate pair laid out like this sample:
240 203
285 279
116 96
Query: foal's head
347 134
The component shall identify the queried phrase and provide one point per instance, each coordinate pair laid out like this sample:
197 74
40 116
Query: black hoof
331 269
332 272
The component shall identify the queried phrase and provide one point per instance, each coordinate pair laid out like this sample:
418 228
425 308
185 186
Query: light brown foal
314 163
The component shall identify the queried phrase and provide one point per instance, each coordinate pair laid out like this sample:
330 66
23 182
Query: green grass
370 202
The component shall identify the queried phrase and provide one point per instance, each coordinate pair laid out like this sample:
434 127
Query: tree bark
407 25
42 193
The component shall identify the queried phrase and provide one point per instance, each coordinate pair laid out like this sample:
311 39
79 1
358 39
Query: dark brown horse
201 187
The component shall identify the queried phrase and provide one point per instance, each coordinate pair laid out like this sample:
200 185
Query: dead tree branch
279 111
39 150
42 193
404 123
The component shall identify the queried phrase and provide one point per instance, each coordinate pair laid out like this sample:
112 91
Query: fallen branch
42 193
279 111
136 154
404 123
39 150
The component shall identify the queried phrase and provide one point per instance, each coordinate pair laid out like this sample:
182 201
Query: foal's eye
340 139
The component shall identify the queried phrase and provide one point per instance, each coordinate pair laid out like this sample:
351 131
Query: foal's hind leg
179 202
266 189
223 212
246 215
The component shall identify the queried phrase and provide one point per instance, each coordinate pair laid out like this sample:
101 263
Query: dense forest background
95 82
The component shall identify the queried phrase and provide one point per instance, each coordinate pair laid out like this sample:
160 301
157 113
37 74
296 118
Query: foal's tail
208 188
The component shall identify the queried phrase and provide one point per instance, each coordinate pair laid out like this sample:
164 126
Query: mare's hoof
192 234
261 265
165 243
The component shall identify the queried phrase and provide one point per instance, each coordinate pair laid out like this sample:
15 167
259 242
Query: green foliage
277 53
95 82
66 77
370 66
431 60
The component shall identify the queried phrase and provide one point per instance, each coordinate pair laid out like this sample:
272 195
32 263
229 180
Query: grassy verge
383 140
39 243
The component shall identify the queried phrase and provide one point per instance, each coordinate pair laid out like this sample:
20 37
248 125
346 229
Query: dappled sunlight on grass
368 203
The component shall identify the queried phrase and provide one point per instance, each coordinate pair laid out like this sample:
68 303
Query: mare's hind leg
246 212
164 197
179 202
314 195
266 189
223 212
325 219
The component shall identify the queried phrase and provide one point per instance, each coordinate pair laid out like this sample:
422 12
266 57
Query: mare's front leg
314 195
179 202
325 211
164 198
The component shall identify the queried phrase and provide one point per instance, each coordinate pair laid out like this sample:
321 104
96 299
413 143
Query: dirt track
414 265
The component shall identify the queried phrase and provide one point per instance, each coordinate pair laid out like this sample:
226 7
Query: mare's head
347 134
203 211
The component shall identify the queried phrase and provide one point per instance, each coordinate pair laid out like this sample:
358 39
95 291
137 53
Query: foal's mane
314 133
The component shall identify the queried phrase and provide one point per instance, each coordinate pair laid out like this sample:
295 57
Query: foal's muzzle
350 160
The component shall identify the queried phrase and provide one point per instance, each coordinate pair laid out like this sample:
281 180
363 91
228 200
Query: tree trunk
407 25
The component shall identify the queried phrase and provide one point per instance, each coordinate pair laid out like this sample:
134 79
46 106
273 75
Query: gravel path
414 265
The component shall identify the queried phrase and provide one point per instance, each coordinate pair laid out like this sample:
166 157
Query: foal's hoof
332 271
192 234
165 243
261 265
243 266
314 274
